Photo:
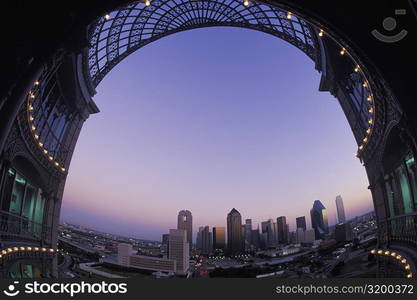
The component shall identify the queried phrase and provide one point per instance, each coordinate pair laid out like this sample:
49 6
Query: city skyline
203 153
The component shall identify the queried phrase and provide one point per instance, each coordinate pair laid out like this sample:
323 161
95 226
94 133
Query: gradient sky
208 120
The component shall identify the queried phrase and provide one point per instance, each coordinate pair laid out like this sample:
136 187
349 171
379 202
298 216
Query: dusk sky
208 120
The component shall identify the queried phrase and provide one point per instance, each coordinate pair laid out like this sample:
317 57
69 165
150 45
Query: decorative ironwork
119 33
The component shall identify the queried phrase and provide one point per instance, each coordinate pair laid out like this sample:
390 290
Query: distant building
219 238
300 235
165 244
256 239
340 209
309 236
343 232
282 230
270 229
235 239
185 222
319 220
301 222
150 263
248 234
179 250
199 242
206 241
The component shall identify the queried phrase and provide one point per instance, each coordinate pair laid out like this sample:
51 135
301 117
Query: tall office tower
248 233
165 244
319 219
234 232
198 242
340 209
185 221
256 239
270 229
282 230
219 238
179 249
343 232
301 222
206 241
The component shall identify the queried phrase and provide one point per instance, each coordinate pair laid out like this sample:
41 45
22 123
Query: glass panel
30 200
405 188
14 271
412 170
40 204
17 194
27 271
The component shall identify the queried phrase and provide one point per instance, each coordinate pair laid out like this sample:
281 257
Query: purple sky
208 120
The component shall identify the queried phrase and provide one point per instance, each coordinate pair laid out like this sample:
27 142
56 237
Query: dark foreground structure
56 55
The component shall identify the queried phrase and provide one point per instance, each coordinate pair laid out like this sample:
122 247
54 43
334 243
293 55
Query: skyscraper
206 241
319 219
185 221
234 232
269 230
179 249
248 233
282 229
301 222
165 244
219 238
340 209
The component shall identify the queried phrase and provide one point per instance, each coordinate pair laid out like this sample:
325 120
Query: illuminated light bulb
379 251
370 121
369 98
289 15
22 248
404 261
373 251
30 107
9 250
50 157
29 248
0 256
31 95
361 148
43 249
33 127
343 51
398 257
51 250
56 163
407 267
368 131
40 144
36 136
371 110
15 249
246 2
321 33
45 151
3 252
107 16
357 68
387 252
365 84
147 2
31 118
63 169
409 275
36 82
393 254
365 139
36 249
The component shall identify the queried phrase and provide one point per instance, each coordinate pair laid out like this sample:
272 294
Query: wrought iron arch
119 33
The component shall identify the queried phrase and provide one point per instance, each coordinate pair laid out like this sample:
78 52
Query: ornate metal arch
119 33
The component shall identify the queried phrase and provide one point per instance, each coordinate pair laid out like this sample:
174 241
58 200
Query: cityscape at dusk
206 142
184 139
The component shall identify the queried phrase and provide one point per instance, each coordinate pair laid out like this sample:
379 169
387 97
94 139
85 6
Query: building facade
179 250
319 220
185 222
235 238
301 222
219 239
340 209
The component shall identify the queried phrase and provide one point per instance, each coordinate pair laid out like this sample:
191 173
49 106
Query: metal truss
119 33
